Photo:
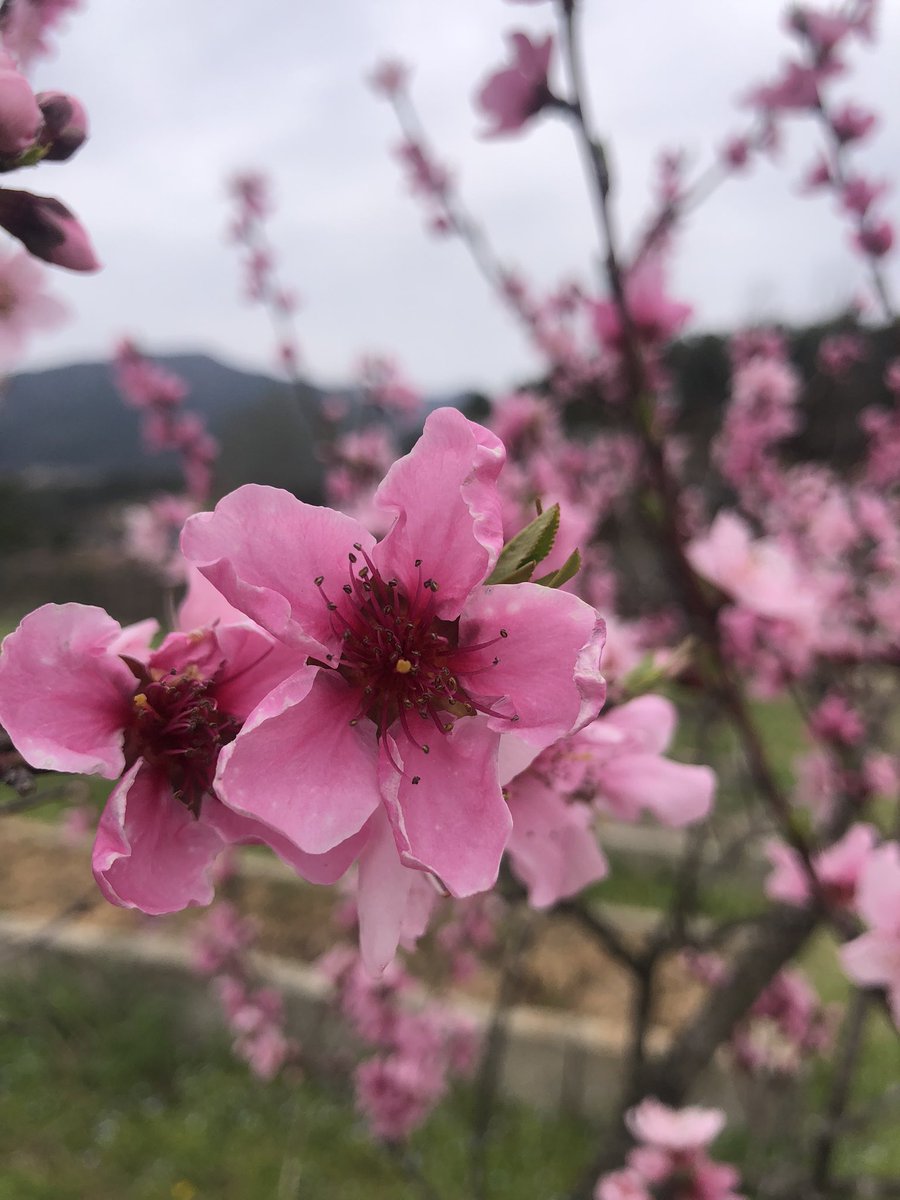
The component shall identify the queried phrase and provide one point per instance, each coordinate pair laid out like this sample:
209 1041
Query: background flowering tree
409 688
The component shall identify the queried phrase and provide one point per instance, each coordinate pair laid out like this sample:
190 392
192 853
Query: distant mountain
70 423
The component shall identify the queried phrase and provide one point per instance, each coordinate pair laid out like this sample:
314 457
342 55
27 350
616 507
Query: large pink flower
78 693
415 668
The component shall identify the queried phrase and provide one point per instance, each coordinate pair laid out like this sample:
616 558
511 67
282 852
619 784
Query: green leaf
563 574
530 545
522 574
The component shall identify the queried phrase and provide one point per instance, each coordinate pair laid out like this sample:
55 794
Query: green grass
101 1096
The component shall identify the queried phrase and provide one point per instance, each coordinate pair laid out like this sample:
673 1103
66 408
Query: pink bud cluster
37 126
158 395
167 425
250 193
255 1015
355 462
803 86
786 1026
418 1050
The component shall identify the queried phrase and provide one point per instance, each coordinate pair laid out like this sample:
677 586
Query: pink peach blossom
553 847
80 694
415 668
758 573
674 1129
514 95
655 317
838 868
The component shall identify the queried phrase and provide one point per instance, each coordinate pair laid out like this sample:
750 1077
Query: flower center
400 656
176 725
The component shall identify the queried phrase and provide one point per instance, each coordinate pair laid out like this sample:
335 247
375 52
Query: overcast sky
183 92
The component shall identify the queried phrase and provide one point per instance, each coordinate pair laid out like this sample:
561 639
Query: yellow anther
140 701
403 666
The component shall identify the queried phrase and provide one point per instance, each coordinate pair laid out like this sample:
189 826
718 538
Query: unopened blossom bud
47 229
65 125
876 240
20 116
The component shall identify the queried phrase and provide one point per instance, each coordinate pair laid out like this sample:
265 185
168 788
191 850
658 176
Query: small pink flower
617 764
852 123
25 307
655 317
514 95
838 868
389 77
395 1093
838 353
674 1129
797 88
553 846
859 194
758 573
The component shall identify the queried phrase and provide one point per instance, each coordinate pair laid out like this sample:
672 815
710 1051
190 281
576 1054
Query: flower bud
20 116
65 125
47 229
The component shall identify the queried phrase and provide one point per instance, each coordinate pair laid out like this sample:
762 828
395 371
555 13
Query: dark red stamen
400 655
176 725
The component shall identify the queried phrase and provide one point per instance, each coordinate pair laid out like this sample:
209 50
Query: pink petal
447 510
454 822
878 893
382 895
515 757
549 664
674 1129
300 767
64 695
787 882
676 793
255 664
263 550
553 848
236 829
150 852
135 640
873 959
204 605
648 722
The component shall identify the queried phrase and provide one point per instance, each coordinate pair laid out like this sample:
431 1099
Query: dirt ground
45 876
